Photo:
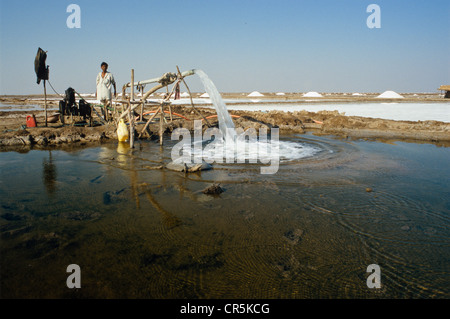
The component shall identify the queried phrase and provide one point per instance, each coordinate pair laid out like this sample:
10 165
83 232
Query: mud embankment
12 132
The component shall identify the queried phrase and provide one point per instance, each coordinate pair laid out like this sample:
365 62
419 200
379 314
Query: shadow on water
138 230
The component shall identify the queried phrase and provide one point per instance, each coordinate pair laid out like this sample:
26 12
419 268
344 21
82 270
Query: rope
54 89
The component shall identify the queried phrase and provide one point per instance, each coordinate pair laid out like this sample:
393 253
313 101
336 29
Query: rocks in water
80 215
207 262
179 166
288 266
153 167
97 179
214 189
293 236
12 216
369 190
112 197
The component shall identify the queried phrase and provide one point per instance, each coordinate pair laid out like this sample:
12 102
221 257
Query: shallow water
309 231
25 107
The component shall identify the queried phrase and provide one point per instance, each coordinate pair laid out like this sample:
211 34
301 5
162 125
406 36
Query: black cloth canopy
39 66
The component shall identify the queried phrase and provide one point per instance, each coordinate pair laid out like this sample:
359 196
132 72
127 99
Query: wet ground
309 231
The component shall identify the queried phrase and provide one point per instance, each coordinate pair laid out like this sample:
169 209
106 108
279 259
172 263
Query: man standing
104 81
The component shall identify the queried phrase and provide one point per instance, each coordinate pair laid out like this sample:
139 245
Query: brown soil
320 123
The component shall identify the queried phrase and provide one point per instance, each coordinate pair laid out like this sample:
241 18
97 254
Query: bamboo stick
148 122
155 88
170 112
131 123
45 103
142 111
161 124
132 84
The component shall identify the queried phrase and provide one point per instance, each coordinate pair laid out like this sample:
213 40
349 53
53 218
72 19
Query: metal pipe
154 80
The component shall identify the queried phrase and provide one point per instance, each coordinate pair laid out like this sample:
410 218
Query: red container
31 121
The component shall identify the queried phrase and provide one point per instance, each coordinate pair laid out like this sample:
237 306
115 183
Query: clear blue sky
244 45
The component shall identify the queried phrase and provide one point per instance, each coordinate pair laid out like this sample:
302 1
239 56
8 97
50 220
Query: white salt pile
184 94
312 94
357 94
255 93
204 95
390 95
280 93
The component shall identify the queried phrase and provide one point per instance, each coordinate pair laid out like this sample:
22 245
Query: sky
243 46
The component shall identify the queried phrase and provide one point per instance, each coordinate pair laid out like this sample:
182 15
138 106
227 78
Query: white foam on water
240 151
290 151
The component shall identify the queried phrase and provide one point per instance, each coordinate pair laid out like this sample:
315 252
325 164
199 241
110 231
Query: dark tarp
39 66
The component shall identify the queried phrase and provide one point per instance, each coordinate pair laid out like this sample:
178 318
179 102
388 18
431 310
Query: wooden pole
143 104
170 111
90 116
132 84
154 89
131 123
149 120
45 103
161 124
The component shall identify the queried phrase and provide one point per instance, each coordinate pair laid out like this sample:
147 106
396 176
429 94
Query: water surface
309 231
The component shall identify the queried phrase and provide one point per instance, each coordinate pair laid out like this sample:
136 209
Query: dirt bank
12 132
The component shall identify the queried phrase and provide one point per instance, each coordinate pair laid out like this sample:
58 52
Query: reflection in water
128 160
122 153
49 174
169 220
